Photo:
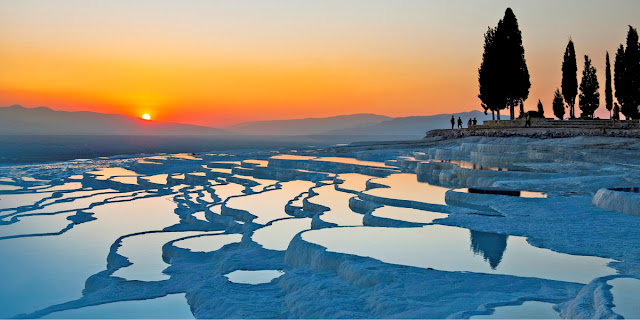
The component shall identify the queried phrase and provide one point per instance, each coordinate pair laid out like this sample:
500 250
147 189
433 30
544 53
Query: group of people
471 122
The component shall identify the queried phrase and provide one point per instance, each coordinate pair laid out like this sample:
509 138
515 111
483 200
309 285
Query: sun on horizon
146 116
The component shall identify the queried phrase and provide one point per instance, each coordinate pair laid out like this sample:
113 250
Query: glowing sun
146 116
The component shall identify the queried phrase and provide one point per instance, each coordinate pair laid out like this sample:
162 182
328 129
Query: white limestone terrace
387 230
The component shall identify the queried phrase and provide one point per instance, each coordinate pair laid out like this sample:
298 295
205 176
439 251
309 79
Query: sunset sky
221 62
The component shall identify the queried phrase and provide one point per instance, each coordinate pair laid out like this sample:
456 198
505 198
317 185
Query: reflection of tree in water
490 245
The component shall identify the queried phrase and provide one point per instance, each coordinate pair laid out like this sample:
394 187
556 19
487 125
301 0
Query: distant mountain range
17 120
357 125
308 126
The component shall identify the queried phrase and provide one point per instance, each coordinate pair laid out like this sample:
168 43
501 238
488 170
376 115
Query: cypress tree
514 73
491 92
632 74
608 95
558 105
618 76
589 95
503 75
540 108
570 77
627 75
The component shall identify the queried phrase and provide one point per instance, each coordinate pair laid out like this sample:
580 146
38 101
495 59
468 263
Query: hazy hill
411 126
17 120
308 126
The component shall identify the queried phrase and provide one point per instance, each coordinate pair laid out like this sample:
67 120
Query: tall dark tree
570 77
618 75
632 74
627 75
513 72
540 108
608 94
558 105
491 92
589 95
503 74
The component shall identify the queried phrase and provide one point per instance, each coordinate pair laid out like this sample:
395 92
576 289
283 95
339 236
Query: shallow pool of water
527 310
355 182
354 162
208 243
278 235
145 252
458 249
173 306
6 187
338 202
268 206
253 276
106 173
407 214
37 272
626 292
405 186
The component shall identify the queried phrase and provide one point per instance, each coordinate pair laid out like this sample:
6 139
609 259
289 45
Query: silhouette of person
528 121
475 122
459 123
453 121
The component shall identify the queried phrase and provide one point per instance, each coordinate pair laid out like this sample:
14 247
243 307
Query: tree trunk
498 111
511 106
571 113
493 115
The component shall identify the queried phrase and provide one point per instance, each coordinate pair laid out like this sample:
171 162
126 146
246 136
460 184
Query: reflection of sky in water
626 292
173 306
253 276
126 180
292 157
157 179
36 224
106 173
145 252
228 190
338 201
45 271
449 248
407 214
405 186
353 161
353 181
6 187
278 235
23 199
527 310
208 243
269 206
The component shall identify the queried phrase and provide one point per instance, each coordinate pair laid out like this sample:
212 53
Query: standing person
528 122
459 123
469 123
453 121
475 122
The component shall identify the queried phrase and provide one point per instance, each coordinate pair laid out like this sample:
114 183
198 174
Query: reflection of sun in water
146 116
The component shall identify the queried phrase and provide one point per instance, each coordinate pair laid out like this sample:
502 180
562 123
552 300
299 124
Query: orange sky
224 62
